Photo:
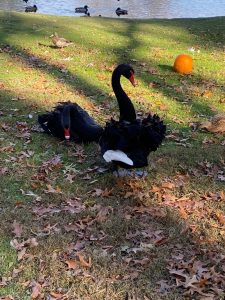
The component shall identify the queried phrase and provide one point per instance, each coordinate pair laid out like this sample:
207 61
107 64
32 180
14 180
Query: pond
136 8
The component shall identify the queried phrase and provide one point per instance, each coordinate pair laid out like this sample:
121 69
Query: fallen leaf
72 264
36 290
131 276
21 254
168 185
221 218
57 295
51 190
84 263
17 228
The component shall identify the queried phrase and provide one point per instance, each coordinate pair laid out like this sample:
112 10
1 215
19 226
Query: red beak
67 133
132 79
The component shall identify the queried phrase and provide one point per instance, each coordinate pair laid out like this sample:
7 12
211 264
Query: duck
68 121
120 11
82 10
127 142
216 124
60 42
31 8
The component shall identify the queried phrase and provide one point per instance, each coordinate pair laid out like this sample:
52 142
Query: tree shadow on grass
163 75
128 53
48 244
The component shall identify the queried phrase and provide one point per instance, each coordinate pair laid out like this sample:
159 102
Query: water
136 8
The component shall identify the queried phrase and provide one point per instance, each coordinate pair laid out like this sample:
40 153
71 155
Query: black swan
120 11
70 122
31 8
60 42
128 142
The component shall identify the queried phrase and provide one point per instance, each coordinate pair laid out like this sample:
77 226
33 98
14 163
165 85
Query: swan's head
128 72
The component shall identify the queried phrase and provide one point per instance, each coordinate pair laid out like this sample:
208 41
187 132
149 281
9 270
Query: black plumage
120 11
82 10
135 137
71 122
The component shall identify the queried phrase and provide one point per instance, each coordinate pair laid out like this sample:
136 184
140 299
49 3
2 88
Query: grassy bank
69 230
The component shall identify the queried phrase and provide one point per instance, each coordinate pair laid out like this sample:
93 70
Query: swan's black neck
127 111
66 116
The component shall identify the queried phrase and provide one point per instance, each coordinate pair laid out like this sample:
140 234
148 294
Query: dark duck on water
128 142
82 10
31 8
120 11
70 122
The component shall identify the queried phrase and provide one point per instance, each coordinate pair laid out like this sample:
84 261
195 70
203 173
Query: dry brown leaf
207 94
36 290
168 185
84 263
72 264
52 190
57 295
3 281
15 271
142 262
155 189
131 276
183 213
103 213
221 218
17 228
21 254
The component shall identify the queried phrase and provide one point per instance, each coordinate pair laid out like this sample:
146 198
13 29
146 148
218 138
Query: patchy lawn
69 228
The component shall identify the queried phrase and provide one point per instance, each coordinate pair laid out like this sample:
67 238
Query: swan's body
31 8
120 11
82 10
60 42
69 121
135 137
216 124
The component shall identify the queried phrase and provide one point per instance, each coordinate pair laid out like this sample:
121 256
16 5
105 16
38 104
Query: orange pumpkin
183 64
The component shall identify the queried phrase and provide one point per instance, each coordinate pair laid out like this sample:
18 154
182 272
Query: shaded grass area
108 216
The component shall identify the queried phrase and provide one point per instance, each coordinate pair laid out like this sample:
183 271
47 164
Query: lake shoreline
112 18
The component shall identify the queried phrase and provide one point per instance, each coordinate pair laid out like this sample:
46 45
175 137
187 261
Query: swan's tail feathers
51 123
52 120
153 132
43 121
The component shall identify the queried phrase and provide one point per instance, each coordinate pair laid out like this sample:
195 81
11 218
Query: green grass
34 77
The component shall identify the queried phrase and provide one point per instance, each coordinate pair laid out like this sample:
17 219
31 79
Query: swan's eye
131 78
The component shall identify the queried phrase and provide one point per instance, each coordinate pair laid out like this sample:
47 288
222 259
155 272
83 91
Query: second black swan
70 122
128 142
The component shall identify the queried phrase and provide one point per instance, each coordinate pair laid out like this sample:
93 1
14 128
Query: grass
130 229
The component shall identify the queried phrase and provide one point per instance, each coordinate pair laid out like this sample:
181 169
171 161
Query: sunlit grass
35 77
